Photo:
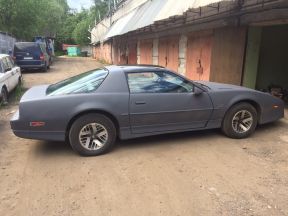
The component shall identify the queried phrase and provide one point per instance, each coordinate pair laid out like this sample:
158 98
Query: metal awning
150 12
118 27
171 8
140 17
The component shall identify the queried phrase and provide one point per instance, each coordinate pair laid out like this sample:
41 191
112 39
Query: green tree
27 18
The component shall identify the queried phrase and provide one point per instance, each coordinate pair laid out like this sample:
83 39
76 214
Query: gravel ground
194 173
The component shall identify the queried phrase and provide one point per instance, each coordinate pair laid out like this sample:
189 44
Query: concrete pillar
155 51
252 57
138 52
182 55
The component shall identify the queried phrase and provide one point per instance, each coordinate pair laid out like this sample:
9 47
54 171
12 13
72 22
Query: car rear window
83 83
26 47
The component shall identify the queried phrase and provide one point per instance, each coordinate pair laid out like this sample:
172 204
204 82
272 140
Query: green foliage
28 18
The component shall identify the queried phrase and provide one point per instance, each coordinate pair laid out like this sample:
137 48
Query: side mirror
197 91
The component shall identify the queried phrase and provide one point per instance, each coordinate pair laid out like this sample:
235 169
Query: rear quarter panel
56 111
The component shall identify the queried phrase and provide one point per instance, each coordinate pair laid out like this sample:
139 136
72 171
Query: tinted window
157 82
26 47
83 83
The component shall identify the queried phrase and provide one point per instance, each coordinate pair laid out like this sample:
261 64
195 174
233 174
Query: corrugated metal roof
172 9
143 16
118 27
99 31
136 14
127 7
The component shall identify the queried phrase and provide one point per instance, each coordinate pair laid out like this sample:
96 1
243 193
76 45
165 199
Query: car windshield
82 83
26 47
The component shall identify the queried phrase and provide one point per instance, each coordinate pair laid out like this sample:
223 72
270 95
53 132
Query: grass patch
15 95
59 53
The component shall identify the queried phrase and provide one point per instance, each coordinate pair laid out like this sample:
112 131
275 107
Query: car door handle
140 102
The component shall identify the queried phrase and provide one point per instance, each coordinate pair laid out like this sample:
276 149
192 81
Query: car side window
6 64
1 68
10 62
157 82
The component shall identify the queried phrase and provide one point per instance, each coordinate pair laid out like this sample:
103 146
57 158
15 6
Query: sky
77 4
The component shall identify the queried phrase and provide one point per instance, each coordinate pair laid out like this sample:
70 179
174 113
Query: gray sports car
92 109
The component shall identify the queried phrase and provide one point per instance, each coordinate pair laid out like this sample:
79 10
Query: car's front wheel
240 121
92 134
4 96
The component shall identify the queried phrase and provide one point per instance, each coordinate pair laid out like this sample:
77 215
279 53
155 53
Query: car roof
134 68
25 42
3 55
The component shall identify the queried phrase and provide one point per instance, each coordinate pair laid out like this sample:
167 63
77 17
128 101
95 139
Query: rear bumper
40 135
30 64
22 129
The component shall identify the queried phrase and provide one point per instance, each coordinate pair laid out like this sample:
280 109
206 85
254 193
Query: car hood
34 93
221 86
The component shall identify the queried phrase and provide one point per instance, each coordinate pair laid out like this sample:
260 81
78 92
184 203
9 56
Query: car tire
92 134
240 121
19 81
4 96
45 68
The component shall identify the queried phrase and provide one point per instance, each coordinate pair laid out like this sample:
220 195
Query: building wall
132 52
6 43
146 51
168 52
228 55
103 52
155 52
199 50
214 55
252 57
182 55
273 59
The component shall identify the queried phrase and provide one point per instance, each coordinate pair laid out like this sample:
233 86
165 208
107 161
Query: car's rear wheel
240 121
45 68
92 134
4 96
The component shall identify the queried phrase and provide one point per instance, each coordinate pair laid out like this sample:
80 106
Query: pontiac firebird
92 109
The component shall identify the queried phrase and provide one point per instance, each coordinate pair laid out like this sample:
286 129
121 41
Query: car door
8 74
3 75
163 101
15 72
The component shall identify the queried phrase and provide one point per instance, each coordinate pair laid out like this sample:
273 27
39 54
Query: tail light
37 124
42 57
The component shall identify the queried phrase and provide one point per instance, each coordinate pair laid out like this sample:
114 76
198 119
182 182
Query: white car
10 76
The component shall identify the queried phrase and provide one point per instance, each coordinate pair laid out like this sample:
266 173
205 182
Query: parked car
31 55
92 109
10 76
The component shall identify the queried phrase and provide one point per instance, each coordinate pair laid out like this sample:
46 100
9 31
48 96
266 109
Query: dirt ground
194 173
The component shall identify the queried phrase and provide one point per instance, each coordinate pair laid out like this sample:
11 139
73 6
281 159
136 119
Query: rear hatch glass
27 51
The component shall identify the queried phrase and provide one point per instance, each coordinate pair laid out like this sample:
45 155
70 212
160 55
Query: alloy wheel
242 121
93 136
